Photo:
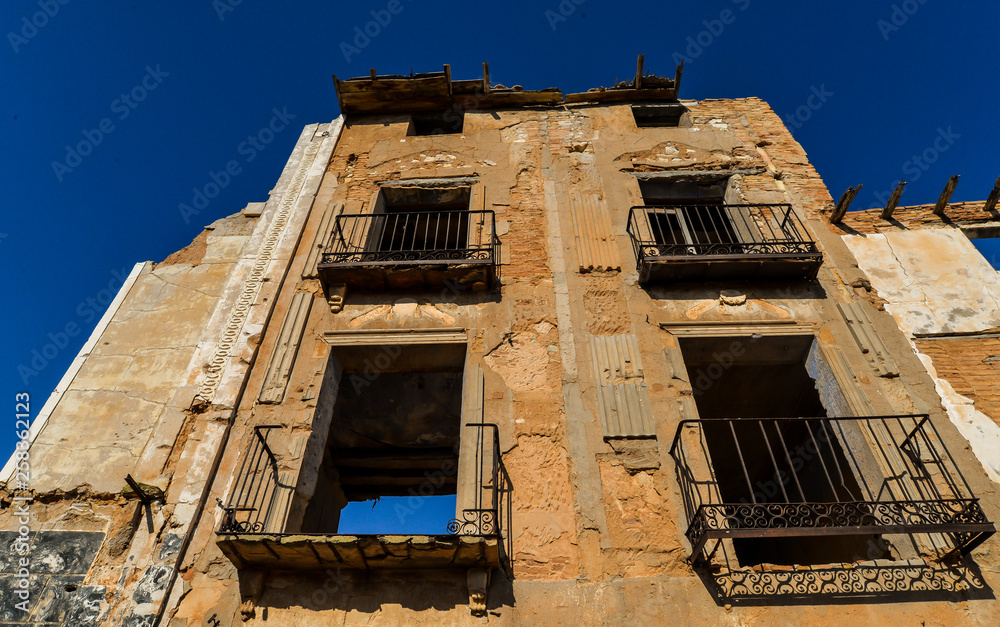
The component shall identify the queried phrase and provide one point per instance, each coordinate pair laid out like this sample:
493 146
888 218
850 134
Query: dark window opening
658 114
421 219
437 123
390 463
683 191
688 211
783 462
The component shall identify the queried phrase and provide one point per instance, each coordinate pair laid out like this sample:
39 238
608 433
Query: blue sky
163 95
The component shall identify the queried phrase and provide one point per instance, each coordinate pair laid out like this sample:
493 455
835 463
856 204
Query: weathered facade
620 328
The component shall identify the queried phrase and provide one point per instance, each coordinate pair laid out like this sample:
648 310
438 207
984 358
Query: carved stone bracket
479 582
335 295
251 585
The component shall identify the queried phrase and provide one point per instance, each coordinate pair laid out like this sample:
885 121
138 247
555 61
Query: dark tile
152 581
56 598
171 545
85 607
9 598
64 552
8 556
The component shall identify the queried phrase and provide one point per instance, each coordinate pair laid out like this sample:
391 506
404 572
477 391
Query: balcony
253 529
759 480
413 250
706 242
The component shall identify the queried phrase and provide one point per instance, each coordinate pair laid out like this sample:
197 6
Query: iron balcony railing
688 231
490 516
798 477
413 237
260 502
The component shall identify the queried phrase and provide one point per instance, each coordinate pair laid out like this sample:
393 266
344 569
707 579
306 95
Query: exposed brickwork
919 216
963 362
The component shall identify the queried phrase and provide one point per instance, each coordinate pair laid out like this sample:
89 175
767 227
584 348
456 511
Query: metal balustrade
679 242
402 240
802 477
259 503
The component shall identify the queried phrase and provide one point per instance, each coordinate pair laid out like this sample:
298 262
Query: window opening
393 441
437 123
785 462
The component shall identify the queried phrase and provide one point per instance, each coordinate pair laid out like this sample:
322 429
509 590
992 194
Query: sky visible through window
989 247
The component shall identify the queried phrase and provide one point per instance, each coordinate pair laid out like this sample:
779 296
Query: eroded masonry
630 343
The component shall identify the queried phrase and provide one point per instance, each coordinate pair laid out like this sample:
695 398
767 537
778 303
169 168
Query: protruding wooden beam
893 201
945 196
447 77
991 201
638 73
374 76
486 77
844 203
677 77
336 88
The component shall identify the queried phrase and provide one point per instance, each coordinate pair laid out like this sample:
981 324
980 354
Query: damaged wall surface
945 296
568 375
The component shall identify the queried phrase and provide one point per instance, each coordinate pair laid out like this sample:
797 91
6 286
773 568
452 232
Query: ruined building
662 376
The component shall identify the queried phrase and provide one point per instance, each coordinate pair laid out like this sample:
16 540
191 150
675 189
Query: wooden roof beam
638 73
945 196
991 201
486 77
893 201
844 203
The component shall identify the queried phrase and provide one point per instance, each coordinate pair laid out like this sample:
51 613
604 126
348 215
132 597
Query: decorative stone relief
335 295
248 295
731 300
279 369
479 582
401 309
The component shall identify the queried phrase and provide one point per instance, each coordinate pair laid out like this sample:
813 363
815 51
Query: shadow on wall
369 593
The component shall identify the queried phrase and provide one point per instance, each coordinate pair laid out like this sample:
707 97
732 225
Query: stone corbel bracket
479 582
335 295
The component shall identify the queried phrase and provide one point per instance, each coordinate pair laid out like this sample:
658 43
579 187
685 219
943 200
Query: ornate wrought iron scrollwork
231 525
856 579
792 510
691 231
445 237
474 522
730 516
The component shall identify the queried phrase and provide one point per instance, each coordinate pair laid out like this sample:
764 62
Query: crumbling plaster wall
597 525
129 406
597 534
935 282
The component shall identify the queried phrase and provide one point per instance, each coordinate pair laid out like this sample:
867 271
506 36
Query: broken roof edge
436 91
